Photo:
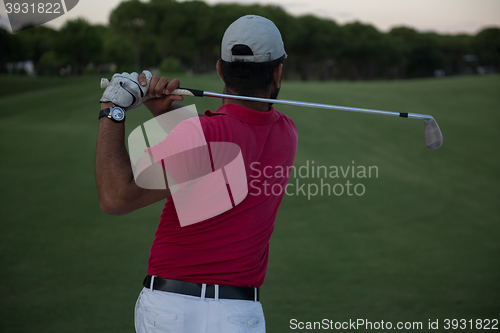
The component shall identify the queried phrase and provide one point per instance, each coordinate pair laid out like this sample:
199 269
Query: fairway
421 243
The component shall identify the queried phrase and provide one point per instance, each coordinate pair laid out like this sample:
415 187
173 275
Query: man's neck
257 106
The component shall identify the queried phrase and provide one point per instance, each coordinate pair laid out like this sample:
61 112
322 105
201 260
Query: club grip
179 91
187 92
104 83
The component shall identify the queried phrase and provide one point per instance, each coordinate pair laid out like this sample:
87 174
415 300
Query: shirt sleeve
184 153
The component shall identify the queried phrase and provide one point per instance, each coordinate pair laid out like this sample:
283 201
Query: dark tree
79 43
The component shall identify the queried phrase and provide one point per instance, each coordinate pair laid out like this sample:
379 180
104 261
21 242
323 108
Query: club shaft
316 105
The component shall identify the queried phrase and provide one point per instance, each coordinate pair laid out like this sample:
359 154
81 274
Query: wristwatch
115 113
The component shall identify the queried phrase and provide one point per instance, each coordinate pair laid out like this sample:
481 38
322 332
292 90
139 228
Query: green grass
422 243
10 84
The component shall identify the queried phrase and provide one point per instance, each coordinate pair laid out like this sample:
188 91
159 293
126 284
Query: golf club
432 133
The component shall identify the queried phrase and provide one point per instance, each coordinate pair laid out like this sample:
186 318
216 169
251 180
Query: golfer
205 277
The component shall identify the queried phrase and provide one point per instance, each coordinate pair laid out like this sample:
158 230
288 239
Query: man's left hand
125 91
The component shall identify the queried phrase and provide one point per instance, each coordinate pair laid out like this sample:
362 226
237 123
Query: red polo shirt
231 248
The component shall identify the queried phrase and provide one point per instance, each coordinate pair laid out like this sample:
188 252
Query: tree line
185 36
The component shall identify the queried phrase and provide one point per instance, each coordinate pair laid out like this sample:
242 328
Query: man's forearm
112 164
163 125
116 187
173 106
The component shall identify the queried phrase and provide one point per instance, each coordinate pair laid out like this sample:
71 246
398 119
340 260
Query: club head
432 134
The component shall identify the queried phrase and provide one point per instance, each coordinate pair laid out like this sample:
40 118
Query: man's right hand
158 99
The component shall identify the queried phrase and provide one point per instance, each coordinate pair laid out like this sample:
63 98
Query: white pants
159 311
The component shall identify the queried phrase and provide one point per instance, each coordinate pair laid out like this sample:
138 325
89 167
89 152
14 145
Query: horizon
465 18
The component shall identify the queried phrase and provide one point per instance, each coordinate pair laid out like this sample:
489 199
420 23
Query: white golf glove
125 91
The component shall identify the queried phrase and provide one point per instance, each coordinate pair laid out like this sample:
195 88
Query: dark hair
248 78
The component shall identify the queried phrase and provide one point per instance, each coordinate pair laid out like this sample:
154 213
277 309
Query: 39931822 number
40 8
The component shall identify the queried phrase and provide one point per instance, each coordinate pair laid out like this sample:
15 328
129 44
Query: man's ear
219 71
278 71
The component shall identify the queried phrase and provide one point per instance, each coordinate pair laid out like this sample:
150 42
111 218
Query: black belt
194 289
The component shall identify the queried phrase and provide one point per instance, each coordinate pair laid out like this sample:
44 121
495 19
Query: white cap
256 32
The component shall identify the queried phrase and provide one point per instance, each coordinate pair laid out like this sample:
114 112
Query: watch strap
104 113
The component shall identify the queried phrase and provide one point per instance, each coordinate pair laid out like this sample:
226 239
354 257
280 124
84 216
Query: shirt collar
247 115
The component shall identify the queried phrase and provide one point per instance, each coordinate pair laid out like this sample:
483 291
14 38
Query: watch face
117 113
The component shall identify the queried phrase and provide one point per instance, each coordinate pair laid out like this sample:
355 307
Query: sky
443 16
